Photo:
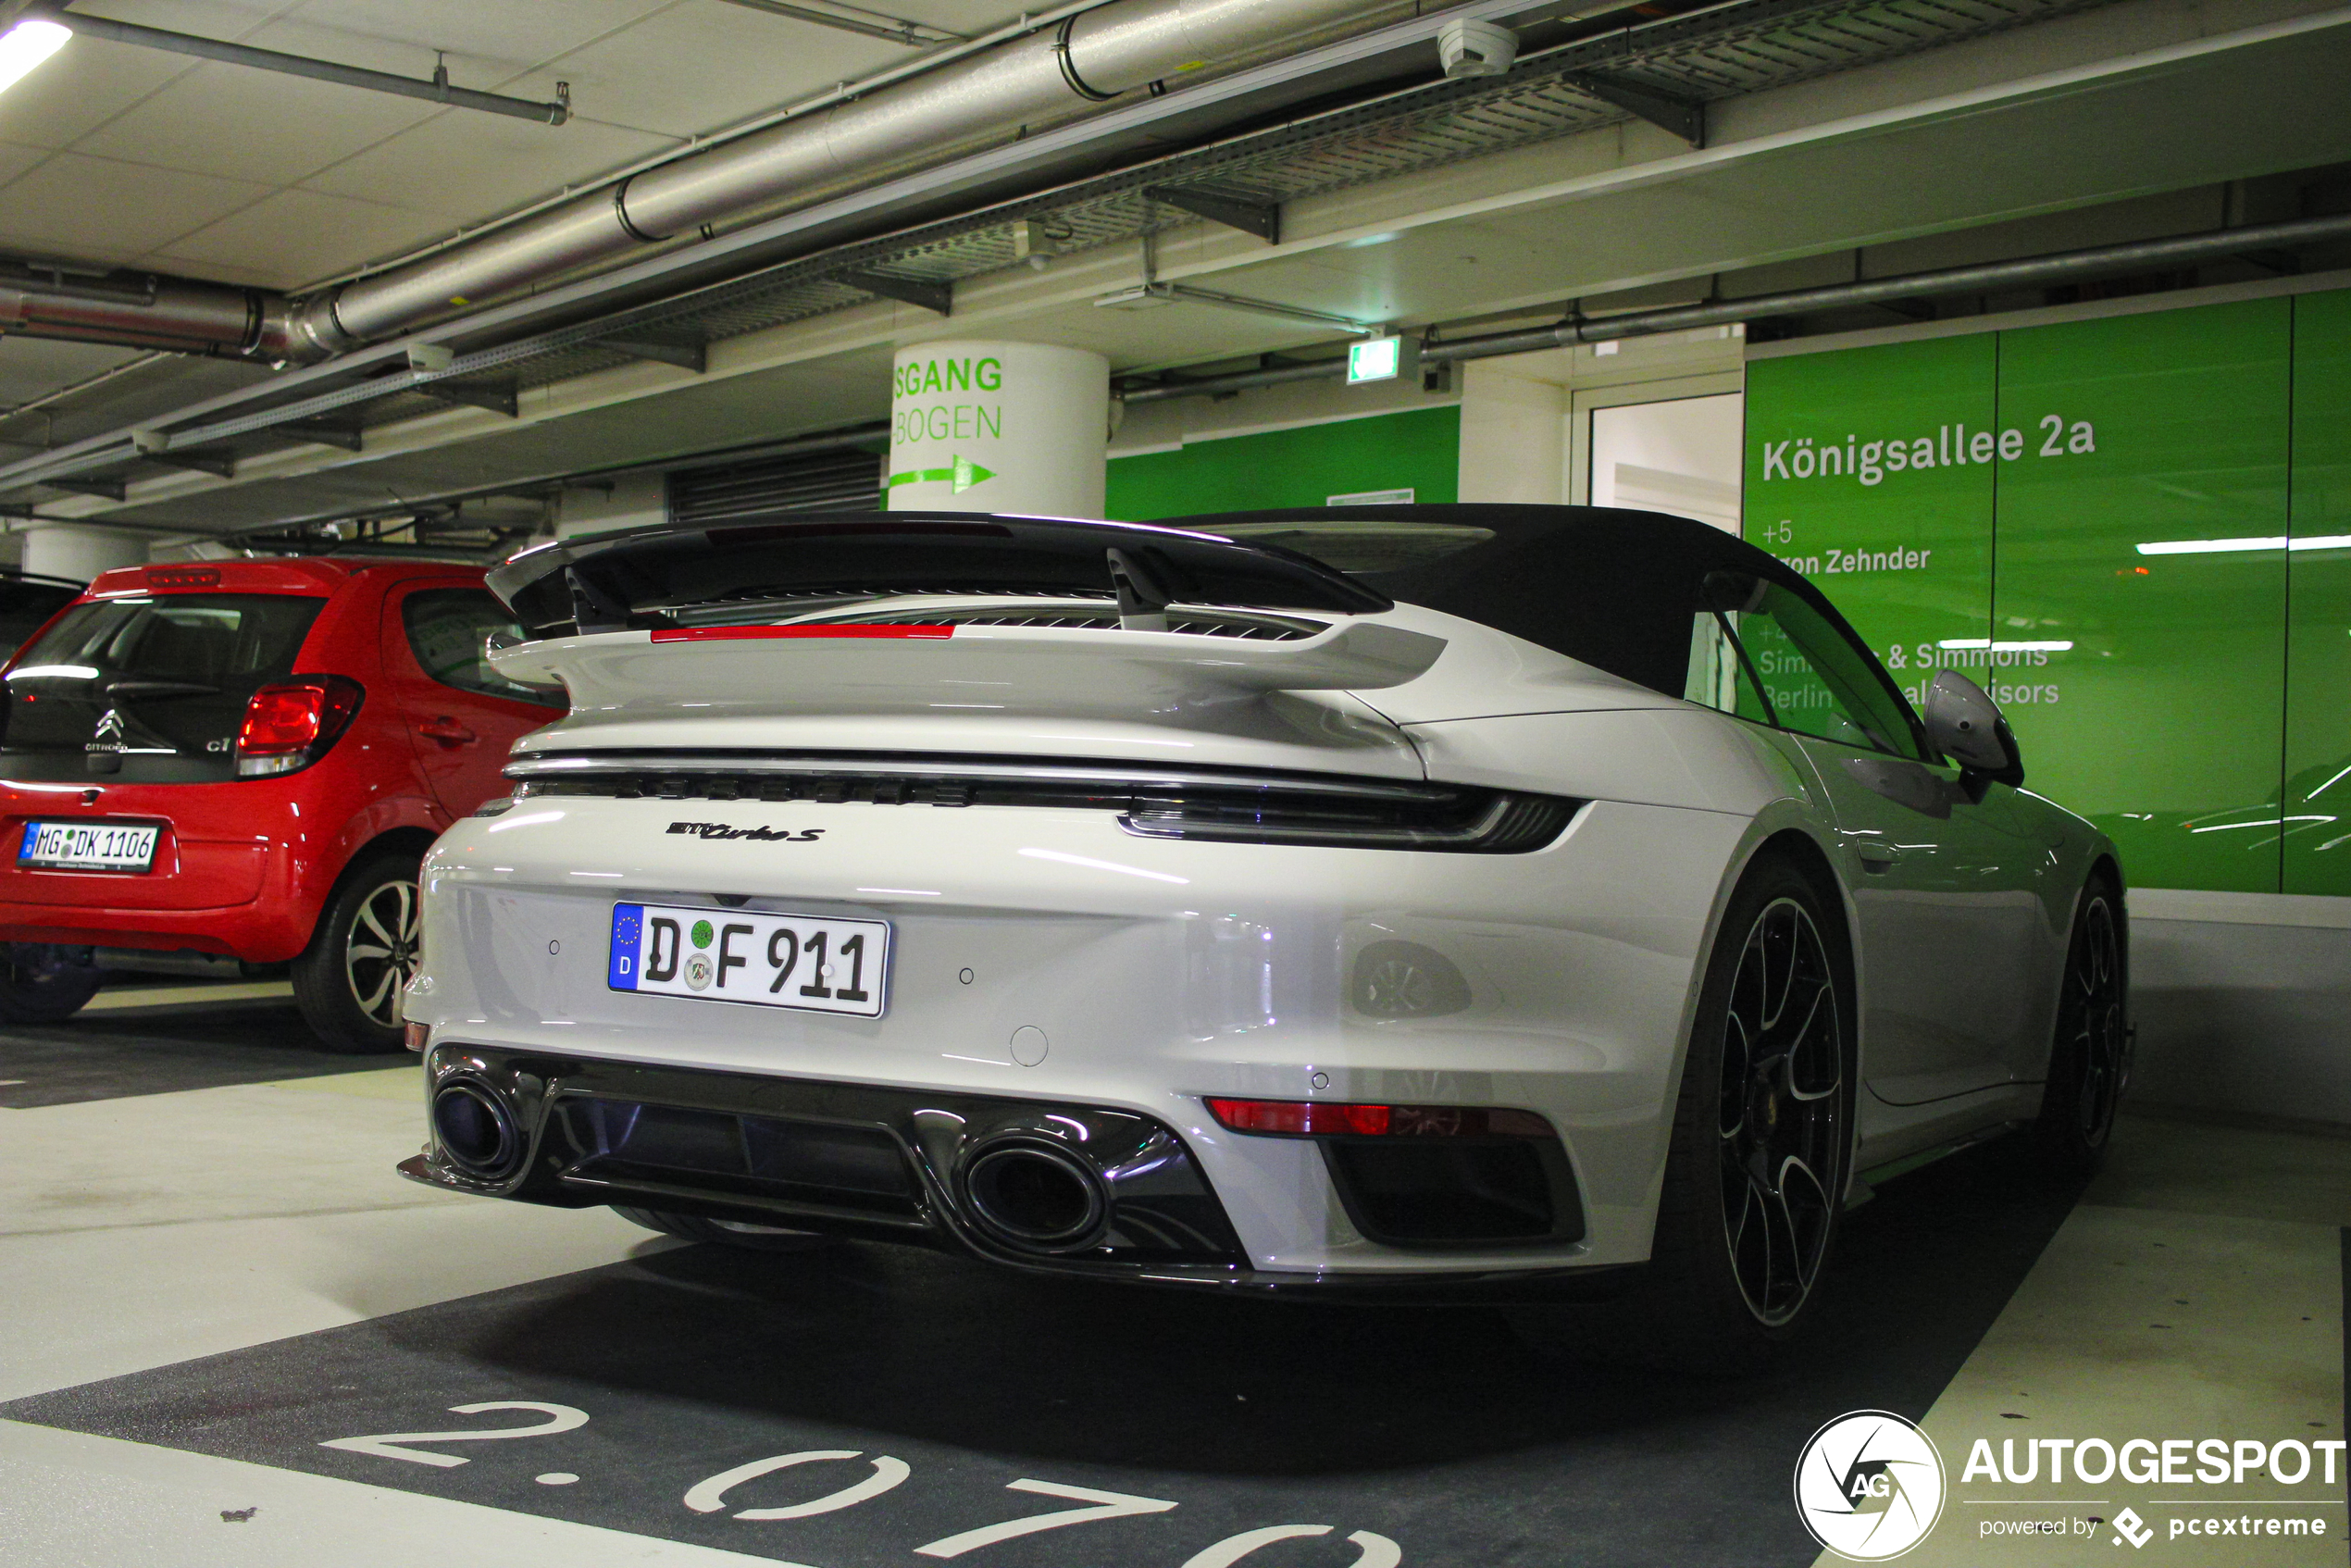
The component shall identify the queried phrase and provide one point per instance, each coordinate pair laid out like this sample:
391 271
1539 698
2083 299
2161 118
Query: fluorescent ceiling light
1985 642
28 43
1142 296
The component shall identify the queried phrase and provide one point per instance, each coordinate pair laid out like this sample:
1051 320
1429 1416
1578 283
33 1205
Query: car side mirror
1964 723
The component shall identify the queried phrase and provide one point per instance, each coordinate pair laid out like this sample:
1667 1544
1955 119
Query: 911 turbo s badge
771 835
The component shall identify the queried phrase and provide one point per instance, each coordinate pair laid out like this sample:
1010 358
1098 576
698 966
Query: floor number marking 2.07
710 1496
393 1445
1377 1551
1107 1505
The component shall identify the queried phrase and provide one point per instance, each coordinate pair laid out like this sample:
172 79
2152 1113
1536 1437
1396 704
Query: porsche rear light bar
1226 807
1324 1118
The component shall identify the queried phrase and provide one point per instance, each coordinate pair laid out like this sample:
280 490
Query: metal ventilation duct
47 299
1087 62
997 95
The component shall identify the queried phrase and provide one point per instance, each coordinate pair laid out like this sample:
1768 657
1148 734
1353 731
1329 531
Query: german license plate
88 846
813 963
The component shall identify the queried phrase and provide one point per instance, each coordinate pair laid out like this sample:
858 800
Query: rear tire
44 982
1760 1150
348 981
696 1227
2090 1057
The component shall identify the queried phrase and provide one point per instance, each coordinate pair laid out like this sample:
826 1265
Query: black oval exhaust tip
1036 1196
476 1129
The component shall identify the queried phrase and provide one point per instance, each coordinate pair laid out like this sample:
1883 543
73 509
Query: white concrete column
634 501
1513 436
78 551
999 427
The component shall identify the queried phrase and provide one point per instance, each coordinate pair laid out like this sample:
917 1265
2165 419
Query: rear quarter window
446 631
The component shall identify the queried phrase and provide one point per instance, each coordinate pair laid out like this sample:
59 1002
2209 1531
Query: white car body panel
1163 972
1219 979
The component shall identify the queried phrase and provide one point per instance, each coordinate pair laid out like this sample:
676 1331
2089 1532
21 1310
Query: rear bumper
241 868
257 932
1043 954
890 1164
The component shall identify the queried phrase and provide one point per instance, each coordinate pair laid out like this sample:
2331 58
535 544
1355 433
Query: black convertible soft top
1612 588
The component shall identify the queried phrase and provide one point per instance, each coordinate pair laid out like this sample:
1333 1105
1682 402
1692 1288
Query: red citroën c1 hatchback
248 759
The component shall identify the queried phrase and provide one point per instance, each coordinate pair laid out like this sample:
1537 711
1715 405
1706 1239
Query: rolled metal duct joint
74 303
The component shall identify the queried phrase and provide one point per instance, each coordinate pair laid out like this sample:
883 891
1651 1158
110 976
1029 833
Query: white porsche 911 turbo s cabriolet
1553 903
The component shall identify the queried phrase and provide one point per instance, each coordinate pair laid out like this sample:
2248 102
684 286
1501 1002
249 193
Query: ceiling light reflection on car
1092 864
530 819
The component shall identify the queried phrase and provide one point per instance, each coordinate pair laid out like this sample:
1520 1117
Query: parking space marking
1156 1429
181 996
163 1050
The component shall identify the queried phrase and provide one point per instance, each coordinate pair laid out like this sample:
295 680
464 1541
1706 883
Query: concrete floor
202 1287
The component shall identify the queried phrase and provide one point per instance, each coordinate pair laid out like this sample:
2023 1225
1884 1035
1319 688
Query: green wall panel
1904 552
2318 716
1418 449
2175 697
2164 724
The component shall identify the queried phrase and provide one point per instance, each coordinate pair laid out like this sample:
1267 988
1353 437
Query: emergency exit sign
1375 359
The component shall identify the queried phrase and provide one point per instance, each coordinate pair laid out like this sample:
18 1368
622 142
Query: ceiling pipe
2069 266
1092 59
976 98
48 299
972 101
436 91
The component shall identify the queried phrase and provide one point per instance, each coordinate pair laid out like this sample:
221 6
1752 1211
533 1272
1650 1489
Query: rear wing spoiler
672 576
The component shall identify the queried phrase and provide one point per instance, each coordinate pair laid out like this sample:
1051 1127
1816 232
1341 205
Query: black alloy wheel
1760 1150
2090 1057
361 958
1782 1122
44 982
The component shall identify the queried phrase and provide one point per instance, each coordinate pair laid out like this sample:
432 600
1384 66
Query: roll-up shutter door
816 481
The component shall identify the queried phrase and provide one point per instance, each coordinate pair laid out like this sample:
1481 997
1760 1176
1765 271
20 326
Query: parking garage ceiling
1398 198
123 156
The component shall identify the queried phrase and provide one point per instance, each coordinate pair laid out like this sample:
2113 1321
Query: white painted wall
81 552
1162 427
1679 456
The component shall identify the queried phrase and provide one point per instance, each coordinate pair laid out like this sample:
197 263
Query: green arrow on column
962 475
